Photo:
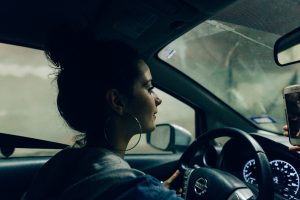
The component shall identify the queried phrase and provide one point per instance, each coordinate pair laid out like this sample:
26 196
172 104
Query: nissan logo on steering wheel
200 186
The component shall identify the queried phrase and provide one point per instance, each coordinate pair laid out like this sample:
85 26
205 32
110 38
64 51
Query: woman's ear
115 100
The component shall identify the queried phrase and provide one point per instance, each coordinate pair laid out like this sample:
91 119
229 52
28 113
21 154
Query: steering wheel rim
264 172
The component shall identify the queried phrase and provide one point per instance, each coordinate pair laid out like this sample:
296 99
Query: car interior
219 66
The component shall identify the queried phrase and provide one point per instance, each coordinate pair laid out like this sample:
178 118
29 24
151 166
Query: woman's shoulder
75 171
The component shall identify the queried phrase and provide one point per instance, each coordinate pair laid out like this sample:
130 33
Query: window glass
28 97
231 55
236 64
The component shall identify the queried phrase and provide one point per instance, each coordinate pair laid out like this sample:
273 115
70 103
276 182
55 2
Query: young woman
105 92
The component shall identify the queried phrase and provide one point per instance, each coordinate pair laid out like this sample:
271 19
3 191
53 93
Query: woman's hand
286 133
285 130
167 183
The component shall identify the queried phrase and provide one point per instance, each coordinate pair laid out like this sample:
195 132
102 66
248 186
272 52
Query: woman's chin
149 129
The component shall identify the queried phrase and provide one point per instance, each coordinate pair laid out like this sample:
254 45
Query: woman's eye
150 90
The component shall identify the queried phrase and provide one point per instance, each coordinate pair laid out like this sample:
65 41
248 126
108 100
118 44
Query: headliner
148 25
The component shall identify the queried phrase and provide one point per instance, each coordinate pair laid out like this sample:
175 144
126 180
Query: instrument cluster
285 177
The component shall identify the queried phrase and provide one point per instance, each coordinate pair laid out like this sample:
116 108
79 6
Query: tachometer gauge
249 172
285 177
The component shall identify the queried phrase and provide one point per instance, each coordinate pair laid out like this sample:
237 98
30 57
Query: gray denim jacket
93 173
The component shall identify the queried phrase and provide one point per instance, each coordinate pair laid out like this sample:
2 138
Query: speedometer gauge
285 177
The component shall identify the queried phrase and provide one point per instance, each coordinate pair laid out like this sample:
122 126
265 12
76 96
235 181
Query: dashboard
285 165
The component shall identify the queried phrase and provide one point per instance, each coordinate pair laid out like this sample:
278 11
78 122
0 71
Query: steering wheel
210 183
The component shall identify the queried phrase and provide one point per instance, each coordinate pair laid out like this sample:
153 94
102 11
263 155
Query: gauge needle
248 174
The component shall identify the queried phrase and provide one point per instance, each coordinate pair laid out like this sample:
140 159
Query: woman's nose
158 101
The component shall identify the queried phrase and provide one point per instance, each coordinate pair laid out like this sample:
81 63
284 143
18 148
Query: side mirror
169 137
287 48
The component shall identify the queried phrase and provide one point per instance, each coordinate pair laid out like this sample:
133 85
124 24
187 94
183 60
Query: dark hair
87 68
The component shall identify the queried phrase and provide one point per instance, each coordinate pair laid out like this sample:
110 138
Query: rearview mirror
169 137
287 48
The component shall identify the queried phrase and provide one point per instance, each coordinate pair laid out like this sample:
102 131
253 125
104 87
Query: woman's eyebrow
147 82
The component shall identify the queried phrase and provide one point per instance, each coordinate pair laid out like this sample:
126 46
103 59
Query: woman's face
143 102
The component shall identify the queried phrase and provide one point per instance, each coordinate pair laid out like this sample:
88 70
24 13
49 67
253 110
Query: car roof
148 25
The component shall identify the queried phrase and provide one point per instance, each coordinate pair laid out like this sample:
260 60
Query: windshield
231 55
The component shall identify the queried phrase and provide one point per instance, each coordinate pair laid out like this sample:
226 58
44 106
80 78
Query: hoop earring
140 133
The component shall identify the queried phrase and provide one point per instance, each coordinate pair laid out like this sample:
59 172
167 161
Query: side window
171 111
28 99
